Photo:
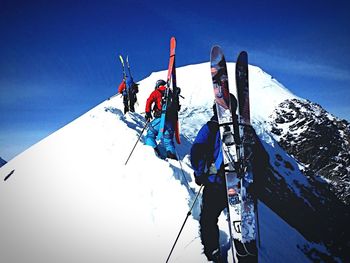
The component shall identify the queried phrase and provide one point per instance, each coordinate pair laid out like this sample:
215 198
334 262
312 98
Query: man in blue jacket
207 163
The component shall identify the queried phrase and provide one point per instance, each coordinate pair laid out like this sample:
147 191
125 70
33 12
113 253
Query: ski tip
243 56
172 45
217 56
216 51
215 48
173 42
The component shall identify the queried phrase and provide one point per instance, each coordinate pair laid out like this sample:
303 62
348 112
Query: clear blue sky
58 59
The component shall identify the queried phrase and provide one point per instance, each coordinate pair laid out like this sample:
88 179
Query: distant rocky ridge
319 144
318 140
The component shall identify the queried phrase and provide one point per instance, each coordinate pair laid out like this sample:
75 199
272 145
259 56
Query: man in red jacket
156 99
128 90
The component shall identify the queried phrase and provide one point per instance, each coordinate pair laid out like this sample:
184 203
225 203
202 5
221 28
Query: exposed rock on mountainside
318 140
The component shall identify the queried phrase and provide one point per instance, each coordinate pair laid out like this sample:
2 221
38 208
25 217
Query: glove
179 107
148 116
135 88
177 91
201 179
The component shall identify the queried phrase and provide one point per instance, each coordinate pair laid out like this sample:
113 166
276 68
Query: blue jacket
206 150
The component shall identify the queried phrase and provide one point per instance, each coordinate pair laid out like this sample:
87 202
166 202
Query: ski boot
216 257
126 109
158 153
171 155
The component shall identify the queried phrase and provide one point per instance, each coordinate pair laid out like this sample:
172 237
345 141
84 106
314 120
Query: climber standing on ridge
173 106
128 89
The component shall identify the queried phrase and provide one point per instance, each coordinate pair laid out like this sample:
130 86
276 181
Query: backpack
173 103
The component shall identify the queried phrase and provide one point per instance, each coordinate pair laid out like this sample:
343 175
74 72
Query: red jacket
156 98
121 87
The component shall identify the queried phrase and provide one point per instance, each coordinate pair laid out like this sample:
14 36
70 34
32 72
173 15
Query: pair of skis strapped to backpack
171 90
123 66
125 75
235 134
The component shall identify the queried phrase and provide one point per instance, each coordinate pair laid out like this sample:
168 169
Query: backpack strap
216 165
214 128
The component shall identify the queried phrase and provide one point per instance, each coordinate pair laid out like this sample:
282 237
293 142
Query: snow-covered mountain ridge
70 198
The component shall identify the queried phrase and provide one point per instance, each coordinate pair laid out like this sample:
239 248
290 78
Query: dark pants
129 102
214 201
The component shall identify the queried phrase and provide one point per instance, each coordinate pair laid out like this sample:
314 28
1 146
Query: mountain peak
73 189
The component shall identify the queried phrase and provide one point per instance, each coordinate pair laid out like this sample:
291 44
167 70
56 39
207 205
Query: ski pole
188 214
258 225
147 122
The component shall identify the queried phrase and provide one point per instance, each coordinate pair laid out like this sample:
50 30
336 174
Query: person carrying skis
128 89
156 99
207 162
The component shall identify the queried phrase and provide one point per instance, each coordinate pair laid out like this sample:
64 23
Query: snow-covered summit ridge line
73 189
195 82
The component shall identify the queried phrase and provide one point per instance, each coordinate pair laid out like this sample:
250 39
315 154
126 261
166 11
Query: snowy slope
70 198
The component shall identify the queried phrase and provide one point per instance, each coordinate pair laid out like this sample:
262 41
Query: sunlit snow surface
71 198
